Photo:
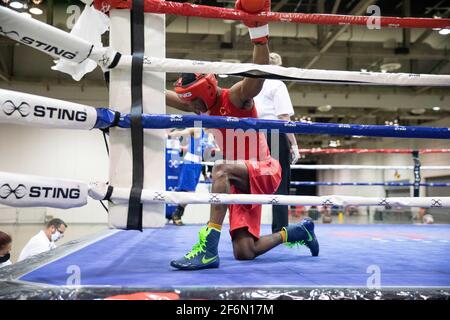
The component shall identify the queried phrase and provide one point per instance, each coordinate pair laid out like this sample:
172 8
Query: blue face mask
5 258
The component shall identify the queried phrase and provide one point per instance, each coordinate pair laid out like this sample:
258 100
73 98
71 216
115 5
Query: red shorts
264 178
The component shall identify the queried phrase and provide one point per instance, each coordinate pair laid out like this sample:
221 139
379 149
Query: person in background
45 239
5 249
191 168
425 217
274 103
326 215
313 212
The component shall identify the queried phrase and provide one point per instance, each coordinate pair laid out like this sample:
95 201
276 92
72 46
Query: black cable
104 206
105 132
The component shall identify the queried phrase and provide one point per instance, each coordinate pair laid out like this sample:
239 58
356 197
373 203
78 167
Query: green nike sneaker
303 234
204 253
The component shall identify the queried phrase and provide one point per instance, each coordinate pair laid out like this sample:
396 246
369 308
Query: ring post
120 172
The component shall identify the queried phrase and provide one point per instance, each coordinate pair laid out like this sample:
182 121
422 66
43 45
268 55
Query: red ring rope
193 10
345 151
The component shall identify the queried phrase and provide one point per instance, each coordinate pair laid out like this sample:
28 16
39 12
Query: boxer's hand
259 31
295 154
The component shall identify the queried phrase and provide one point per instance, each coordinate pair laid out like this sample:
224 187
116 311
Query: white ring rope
60 44
32 191
27 109
151 197
291 74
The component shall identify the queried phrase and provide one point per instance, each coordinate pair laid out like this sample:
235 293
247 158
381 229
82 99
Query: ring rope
291 74
75 49
362 167
362 184
350 167
157 121
356 150
369 184
18 190
194 10
18 108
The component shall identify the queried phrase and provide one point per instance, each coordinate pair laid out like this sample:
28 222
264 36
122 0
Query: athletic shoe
303 234
176 216
204 253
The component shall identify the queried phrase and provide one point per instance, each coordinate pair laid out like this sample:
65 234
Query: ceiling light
35 11
436 108
418 111
223 76
445 31
324 108
335 143
37 1
16 5
392 66
391 123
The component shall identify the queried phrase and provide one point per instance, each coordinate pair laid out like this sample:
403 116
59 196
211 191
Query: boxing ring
351 256
355 262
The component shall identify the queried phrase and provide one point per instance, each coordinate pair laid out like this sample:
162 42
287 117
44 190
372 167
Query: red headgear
204 87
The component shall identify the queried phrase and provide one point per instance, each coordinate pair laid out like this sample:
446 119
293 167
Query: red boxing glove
259 31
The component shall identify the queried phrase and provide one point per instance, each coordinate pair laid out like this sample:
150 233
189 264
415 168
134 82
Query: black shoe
176 216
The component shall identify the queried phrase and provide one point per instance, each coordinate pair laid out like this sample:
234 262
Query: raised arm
172 100
244 91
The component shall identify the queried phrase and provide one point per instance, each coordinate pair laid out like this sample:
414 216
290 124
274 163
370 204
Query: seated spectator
5 249
45 239
428 219
313 212
326 215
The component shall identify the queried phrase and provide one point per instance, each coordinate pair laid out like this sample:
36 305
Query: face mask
5 258
56 236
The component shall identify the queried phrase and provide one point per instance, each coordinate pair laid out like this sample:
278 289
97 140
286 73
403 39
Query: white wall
78 155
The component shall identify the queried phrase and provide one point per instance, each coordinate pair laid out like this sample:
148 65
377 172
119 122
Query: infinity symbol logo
385 203
9 107
174 163
8 33
436 203
158 196
19 192
214 198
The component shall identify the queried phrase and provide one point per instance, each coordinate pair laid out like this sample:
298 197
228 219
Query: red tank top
237 144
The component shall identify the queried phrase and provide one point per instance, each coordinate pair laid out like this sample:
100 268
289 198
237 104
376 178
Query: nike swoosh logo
208 260
310 238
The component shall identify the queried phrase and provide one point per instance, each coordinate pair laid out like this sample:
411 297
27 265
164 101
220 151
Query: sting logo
6 190
9 107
